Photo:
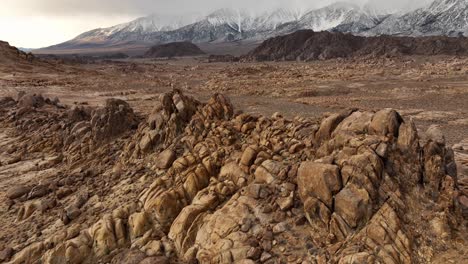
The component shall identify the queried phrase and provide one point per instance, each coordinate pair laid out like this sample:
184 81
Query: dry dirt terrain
183 161
432 90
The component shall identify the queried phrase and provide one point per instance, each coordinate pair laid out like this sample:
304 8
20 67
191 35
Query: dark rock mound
307 45
174 49
222 58
11 54
115 56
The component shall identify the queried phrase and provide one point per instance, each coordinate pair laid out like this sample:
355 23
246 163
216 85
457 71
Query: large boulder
327 127
17 191
165 159
353 204
318 180
357 123
385 123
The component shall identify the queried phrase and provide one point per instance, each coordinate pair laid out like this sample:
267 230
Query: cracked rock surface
198 182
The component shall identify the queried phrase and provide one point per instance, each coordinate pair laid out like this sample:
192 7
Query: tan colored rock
356 123
232 172
148 140
280 228
129 257
17 191
30 254
353 205
28 209
182 231
165 159
197 180
78 249
318 180
72 212
218 107
408 139
153 248
327 127
157 260
434 164
317 213
441 227
339 228
285 203
268 172
139 224
103 235
249 155
434 134
385 123
218 202
166 206
361 257
364 170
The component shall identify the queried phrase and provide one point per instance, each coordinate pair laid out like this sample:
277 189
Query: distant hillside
10 54
307 45
175 49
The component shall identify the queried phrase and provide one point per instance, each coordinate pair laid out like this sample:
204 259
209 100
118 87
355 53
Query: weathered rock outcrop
10 54
214 187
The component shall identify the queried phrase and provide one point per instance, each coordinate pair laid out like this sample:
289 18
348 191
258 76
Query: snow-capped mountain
268 21
137 30
220 25
343 17
331 16
442 17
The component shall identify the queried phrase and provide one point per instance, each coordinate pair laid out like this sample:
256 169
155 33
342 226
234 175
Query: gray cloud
142 7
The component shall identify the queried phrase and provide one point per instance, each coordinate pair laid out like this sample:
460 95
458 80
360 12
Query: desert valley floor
41 198
432 90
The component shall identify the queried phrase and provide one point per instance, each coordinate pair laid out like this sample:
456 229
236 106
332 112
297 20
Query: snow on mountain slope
157 22
442 17
221 25
329 17
139 29
245 21
342 17
268 21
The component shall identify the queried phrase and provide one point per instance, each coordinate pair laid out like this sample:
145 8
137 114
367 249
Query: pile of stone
219 187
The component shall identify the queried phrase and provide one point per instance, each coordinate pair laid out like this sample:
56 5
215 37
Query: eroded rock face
115 118
196 183
166 122
318 180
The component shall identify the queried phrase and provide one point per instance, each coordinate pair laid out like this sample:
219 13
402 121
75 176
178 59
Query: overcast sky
40 23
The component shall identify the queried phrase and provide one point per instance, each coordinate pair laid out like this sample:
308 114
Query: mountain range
442 17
